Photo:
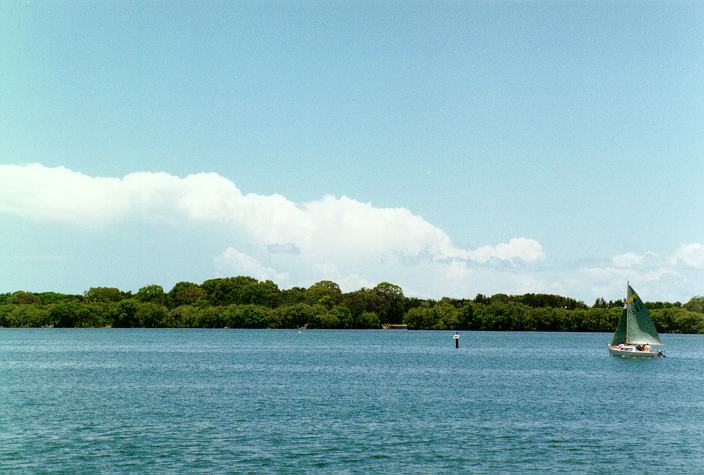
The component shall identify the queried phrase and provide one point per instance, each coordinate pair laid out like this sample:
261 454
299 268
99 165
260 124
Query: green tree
186 293
293 295
367 320
265 293
482 299
499 298
46 298
25 315
152 315
390 303
688 322
66 315
695 304
343 316
441 316
226 291
361 301
502 316
601 319
242 290
183 316
125 314
209 317
21 297
151 293
103 294
466 317
252 316
325 292
421 318
447 317
293 316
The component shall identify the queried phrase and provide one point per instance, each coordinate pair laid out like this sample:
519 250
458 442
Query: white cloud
527 250
691 255
338 238
671 277
59 194
632 260
341 229
347 282
237 262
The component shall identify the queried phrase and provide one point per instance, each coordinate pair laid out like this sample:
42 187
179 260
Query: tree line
245 302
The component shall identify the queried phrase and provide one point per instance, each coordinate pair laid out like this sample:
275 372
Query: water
109 400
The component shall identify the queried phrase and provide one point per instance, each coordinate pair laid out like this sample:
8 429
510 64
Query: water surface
110 400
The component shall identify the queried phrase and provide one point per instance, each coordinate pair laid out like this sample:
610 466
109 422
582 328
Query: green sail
635 326
620 333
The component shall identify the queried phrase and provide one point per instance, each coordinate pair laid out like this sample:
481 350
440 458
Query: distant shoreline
244 302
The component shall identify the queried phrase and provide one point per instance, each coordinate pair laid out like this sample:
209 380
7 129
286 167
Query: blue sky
449 147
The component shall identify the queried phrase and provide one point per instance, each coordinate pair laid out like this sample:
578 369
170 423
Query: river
138 400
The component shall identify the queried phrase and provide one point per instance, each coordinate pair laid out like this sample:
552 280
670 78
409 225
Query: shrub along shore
245 302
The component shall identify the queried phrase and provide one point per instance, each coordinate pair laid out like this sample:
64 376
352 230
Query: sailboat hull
631 352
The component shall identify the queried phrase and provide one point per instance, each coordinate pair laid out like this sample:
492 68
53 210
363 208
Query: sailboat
635 332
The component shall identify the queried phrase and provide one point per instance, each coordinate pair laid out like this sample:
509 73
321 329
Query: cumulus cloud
346 281
332 238
631 260
235 261
59 194
691 255
523 249
332 229
669 276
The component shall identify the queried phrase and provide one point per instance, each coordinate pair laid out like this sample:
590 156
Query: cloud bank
338 227
339 238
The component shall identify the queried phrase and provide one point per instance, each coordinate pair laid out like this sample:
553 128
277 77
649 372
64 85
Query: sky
452 148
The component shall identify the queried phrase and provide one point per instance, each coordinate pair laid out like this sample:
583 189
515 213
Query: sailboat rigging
635 333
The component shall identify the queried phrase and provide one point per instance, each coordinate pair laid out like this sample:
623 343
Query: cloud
59 194
335 238
332 238
332 229
632 260
234 261
285 248
691 255
527 250
671 276
329 271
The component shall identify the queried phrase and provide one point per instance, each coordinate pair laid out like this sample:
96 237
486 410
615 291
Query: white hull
631 352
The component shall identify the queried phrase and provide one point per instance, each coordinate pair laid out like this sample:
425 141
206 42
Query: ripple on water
374 401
